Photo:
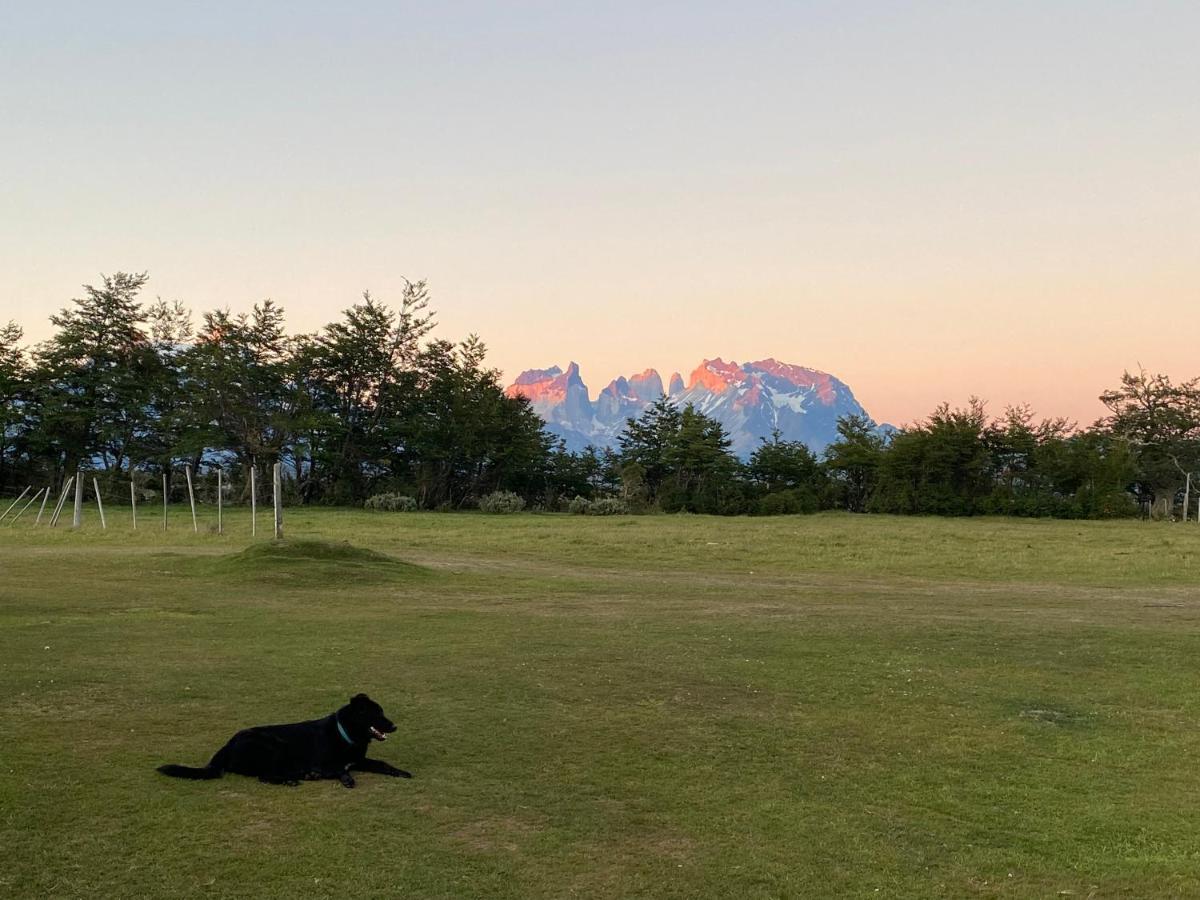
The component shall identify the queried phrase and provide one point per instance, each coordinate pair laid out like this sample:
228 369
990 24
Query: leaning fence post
62 501
164 501
277 481
218 501
42 508
28 504
133 503
253 502
99 504
15 502
78 520
187 470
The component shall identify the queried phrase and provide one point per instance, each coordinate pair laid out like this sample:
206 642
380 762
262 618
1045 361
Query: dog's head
362 715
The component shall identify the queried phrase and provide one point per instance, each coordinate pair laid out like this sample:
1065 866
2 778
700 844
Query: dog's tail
198 774
214 769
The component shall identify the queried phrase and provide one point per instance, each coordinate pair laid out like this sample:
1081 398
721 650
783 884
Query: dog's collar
342 731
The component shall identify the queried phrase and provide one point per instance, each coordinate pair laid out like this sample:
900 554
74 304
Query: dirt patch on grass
504 833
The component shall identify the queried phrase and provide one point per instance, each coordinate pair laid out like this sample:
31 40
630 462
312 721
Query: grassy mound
314 562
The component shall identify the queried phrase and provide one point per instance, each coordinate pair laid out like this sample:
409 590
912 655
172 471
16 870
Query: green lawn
652 706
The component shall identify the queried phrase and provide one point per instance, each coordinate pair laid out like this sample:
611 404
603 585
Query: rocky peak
750 400
799 376
716 375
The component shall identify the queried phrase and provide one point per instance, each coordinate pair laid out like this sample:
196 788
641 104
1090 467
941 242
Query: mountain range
751 400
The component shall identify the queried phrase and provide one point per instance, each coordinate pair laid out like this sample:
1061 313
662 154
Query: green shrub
579 506
502 502
391 503
607 506
787 503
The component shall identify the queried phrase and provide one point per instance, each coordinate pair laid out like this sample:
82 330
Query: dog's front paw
400 773
347 780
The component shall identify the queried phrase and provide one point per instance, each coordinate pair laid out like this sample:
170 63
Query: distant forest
374 406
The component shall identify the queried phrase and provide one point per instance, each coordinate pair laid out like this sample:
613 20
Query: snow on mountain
751 400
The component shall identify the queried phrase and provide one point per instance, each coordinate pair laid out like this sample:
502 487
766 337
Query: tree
239 391
788 474
679 459
95 379
779 465
853 460
1161 421
941 466
13 373
460 437
355 364
647 439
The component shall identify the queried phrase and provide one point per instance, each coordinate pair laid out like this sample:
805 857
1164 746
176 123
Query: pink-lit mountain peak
716 375
648 376
540 385
800 376
752 401
534 376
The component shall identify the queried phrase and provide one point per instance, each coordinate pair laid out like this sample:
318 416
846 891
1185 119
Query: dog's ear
359 699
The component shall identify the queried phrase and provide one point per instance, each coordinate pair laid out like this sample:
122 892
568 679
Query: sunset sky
927 200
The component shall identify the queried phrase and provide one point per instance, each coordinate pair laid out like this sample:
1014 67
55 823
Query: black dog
321 748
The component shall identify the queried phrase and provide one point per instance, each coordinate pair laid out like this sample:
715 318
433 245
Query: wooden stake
278 484
133 502
15 502
187 470
1187 494
164 501
38 520
218 501
78 520
62 501
253 502
30 503
99 504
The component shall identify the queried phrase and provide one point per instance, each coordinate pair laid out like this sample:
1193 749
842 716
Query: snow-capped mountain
751 400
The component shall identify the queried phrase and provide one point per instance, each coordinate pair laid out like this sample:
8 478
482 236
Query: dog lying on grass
304 751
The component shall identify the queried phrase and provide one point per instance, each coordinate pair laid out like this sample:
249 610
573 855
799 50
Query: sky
930 201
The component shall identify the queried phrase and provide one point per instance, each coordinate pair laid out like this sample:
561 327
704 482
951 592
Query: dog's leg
346 778
379 767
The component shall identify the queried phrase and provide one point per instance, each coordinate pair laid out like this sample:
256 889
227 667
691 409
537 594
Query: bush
787 503
605 506
391 503
608 506
502 502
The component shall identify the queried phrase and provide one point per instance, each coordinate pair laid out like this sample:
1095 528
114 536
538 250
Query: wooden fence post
278 484
99 504
15 502
187 470
78 519
42 509
28 504
62 501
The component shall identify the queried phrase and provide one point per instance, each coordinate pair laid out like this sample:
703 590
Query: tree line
374 403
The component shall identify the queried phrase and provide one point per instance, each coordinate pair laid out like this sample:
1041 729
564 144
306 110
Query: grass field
656 706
